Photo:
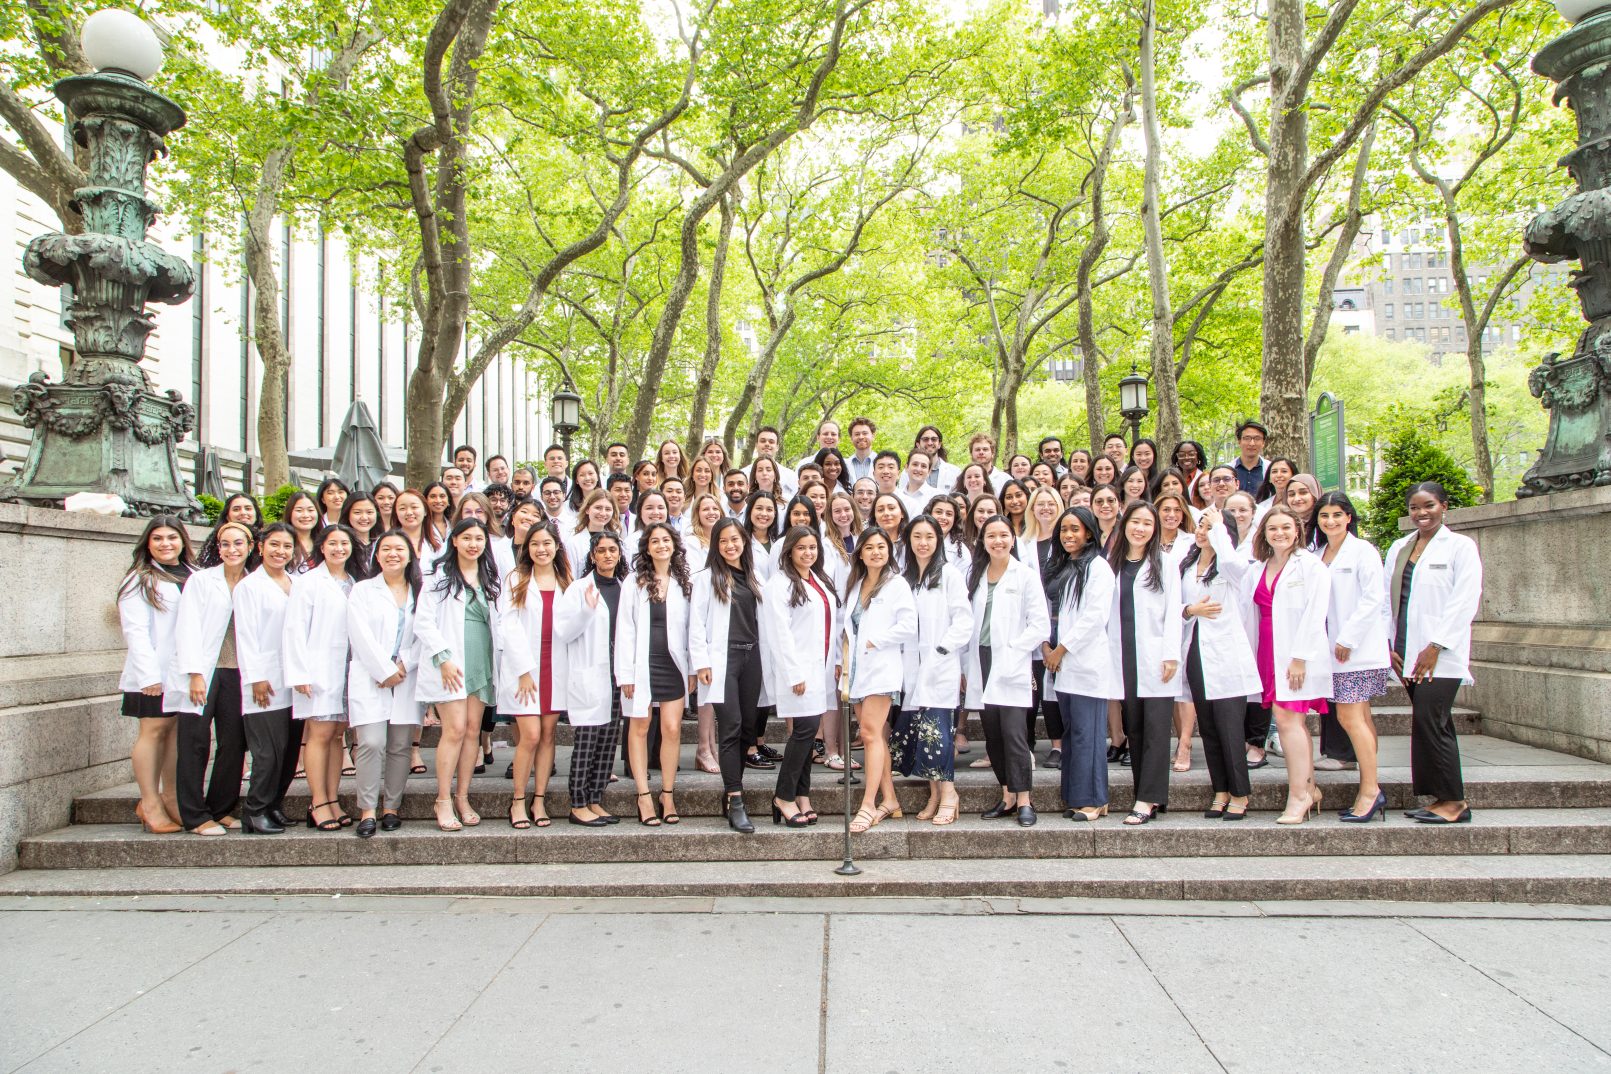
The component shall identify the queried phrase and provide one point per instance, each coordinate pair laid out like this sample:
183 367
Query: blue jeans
1085 750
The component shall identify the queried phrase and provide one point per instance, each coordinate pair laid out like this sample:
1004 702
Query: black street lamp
565 414
1133 402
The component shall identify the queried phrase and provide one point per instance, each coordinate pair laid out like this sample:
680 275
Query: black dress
666 683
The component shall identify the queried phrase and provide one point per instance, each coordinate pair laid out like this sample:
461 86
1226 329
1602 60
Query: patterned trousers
592 757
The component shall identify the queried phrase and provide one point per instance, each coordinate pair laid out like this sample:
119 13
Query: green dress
478 649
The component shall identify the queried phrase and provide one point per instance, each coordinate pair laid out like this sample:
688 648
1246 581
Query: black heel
737 818
653 819
777 815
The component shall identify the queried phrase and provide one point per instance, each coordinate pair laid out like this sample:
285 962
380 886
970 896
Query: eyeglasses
1221 479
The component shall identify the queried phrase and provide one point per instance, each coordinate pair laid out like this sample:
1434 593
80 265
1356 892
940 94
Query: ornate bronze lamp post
1577 390
103 428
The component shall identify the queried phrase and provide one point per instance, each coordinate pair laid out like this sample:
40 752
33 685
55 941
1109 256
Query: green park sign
1327 447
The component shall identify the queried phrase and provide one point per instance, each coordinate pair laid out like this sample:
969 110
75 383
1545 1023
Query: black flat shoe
590 822
1426 816
1214 812
509 773
755 760
610 818
278 817
1124 756
1054 759
1113 755
1262 762
390 822
480 769
999 810
769 753
1026 816
366 828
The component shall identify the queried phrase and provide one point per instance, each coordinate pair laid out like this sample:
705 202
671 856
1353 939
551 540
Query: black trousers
221 716
274 739
737 713
1334 741
1006 730
794 771
1045 707
1434 749
1148 723
1256 723
1220 723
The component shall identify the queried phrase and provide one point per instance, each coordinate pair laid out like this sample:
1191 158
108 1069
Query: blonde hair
1031 524
695 525
588 501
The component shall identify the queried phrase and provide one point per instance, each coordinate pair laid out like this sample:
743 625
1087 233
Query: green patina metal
103 428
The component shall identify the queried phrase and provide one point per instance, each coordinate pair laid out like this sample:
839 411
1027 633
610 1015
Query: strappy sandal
653 819
524 822
669 816
947 813
351 769
542 821
469 816
331 825
929 811
452 823
863 820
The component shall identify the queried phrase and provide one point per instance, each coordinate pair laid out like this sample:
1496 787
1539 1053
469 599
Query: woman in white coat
203 686
1010 623
801 608
651 660
1035 548
1080 661
1289 598
457 630
1435 579
1220 672
924 739
881 618
1357 626
315 653
380 679
1175 543
1144 636
148 610
260 604
532 666
585 625
727 642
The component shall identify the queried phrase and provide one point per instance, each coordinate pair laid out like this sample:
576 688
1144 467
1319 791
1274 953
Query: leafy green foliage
213 506
274 502
1412 458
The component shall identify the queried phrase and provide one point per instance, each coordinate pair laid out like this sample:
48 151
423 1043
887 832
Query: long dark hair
938 452
934 574
575 496
843 480
643 566
452 580
858 569
1157 459
524 564
1267 487
1065 571
722 577
325 486
981 558
772 531
317 558
255 559
209 556
788 509
346 514
257 511
1196 552
589 567
425 498
145 573
797 589
411 571
1149 552
637 512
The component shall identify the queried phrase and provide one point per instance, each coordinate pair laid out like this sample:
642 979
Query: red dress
1264 597
545 666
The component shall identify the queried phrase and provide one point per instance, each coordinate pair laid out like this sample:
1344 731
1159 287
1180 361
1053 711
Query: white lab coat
708 622
372 621
943 476
260 613
148 634
797 640
1019 624
503 555
1358 616
1028 552
915 502
315 644
439 627
888 623
998 481
763 559
585 634
1082 629
1297 623
1445 593
1229 667
520 636
632 642
1158 630
205 609
944 621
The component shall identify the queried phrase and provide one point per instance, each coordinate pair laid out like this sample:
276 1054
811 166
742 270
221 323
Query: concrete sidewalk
384 984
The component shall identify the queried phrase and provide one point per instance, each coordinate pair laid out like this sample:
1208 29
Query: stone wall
61 651
1541 646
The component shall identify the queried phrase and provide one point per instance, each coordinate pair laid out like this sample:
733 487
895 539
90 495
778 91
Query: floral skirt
1353 687
923 745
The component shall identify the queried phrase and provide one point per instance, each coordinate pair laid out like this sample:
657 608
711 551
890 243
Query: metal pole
848 868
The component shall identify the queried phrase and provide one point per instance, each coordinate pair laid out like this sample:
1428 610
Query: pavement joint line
1506 988
822 996
192 964
1118 926
492 977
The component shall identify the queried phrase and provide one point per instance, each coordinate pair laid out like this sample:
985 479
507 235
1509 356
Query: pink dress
1264 597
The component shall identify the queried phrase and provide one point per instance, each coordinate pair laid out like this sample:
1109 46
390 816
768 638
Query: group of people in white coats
1106 611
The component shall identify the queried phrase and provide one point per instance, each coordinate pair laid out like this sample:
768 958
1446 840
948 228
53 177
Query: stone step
493 842
1517 878
42 680
1391 720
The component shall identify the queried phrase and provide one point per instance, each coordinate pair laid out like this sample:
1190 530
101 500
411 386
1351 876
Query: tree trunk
713 335
1163 334
267 335
424 426
1282 391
